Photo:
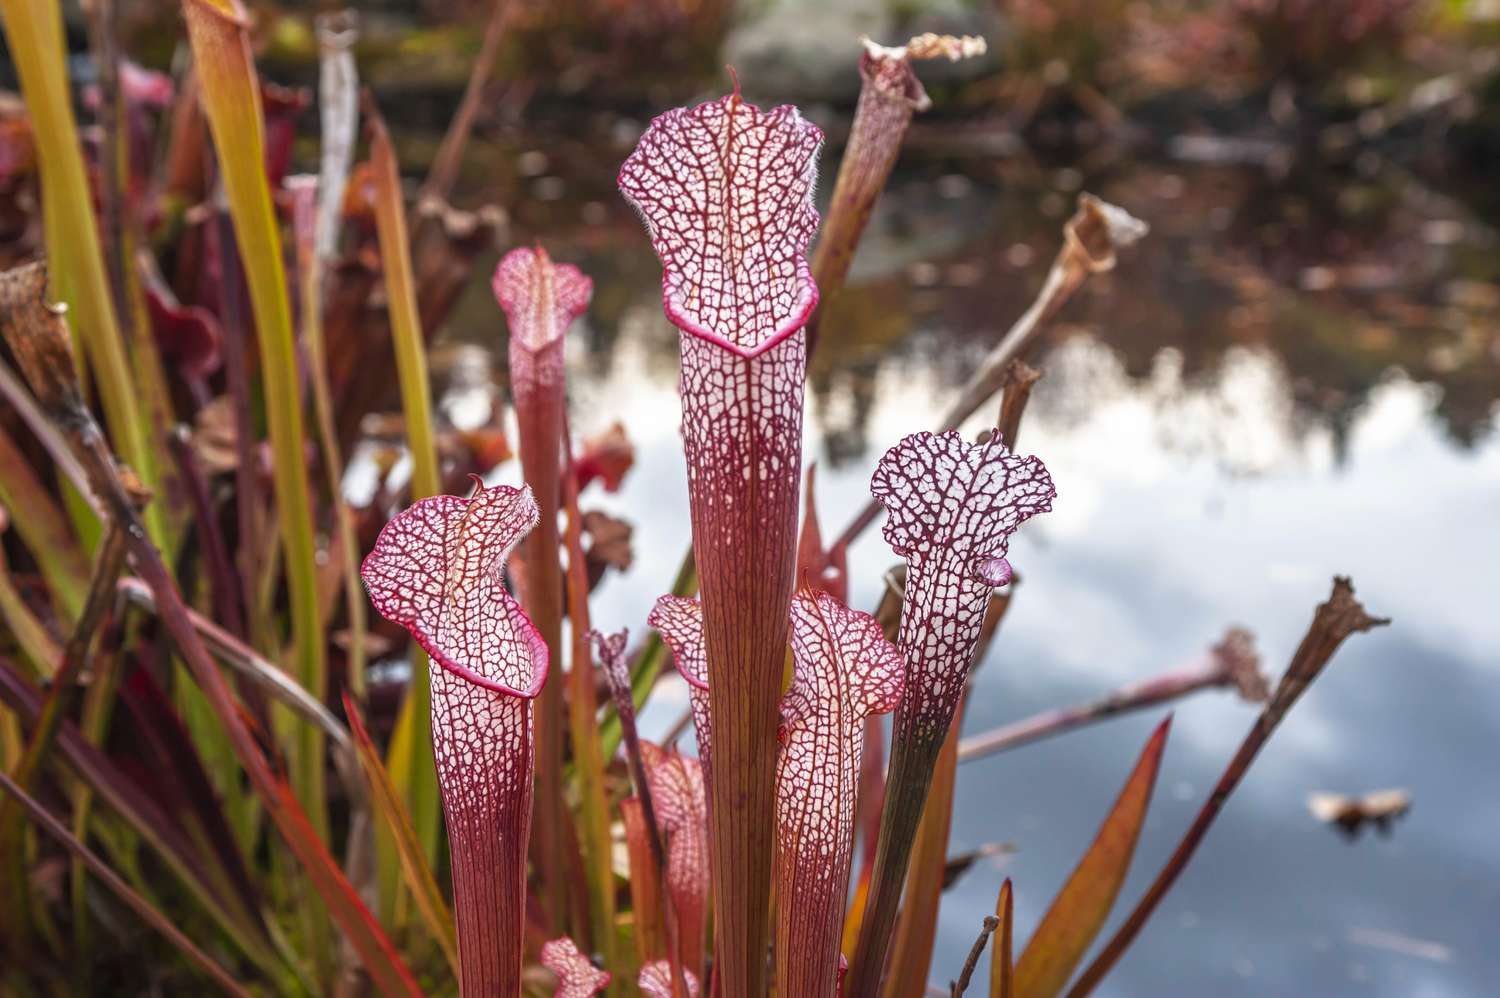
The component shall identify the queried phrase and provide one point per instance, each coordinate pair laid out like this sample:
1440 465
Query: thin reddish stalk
611 651
222 579
725 190
445 165
55 706
1232 663
1338 618
845 672
541 300
583 710
110 879
438 569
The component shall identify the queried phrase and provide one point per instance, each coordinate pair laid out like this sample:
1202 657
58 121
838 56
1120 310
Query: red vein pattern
615 665
951 508
845 671
725 191
576 976
656 981
438 569
679 621
681 800
541 299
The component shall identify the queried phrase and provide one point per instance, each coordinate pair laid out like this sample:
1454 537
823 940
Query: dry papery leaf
1350 815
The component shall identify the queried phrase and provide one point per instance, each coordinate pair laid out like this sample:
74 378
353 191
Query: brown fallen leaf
1350 814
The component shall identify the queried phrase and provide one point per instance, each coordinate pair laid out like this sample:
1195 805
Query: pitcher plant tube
541 300
725 191
438 569
951 509
845 672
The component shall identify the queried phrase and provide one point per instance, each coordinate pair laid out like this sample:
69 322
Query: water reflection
1276 386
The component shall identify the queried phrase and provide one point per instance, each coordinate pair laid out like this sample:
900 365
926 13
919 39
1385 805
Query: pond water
1290 378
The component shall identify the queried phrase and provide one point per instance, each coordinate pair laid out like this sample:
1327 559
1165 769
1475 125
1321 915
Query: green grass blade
231 100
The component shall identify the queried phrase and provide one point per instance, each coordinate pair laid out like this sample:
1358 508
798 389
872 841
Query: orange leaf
1080 908
1002 960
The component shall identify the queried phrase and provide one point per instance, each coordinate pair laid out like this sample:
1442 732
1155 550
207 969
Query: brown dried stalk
1092 239
1338 618
450 155
889 95
991 923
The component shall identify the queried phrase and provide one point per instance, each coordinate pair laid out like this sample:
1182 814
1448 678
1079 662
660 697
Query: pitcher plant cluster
183 691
